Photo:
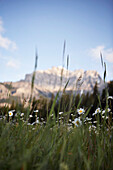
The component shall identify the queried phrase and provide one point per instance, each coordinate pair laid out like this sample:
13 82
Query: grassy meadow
64 142
67 132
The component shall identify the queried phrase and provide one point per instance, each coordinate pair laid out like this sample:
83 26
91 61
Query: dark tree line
68 102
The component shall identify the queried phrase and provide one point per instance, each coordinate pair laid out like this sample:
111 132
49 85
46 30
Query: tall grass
58 143
54 146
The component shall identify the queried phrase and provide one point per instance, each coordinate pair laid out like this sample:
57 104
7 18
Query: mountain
50 81
79 80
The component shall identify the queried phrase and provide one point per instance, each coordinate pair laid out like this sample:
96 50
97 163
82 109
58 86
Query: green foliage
54 147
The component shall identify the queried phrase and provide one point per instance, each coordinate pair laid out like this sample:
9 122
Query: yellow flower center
9 113
80 111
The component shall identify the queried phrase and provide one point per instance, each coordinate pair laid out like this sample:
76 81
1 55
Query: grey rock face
50 81
79 80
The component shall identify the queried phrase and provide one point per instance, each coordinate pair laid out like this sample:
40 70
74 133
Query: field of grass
66 141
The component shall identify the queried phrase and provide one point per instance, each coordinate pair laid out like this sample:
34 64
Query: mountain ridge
49 81
51 78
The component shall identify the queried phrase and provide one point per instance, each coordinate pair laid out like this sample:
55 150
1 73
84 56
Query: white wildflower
69 120
108 110
77 122
90 122
42 118
95 121
10 113
22 114
37 121
36 111
88 119
103 112
80 111
60 113
96 111
105 117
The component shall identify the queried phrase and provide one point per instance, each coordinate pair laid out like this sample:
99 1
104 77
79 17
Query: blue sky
86 25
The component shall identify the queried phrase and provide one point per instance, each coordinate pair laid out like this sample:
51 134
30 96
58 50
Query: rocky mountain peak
51 79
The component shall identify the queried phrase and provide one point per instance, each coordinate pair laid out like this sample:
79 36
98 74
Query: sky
27 25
